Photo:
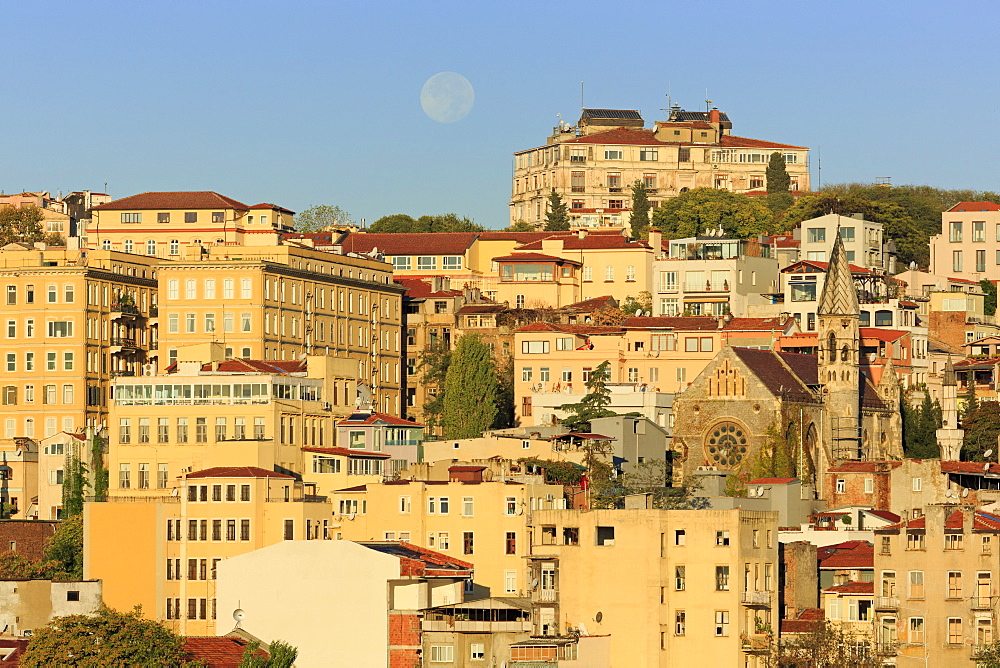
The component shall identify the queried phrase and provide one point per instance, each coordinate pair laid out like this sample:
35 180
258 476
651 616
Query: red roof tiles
218 652
535 257
590 242
863 467
975 206
198 199
620 136
417 243
236 472
346 452
747 142
417 288
375 418
569 329
853 588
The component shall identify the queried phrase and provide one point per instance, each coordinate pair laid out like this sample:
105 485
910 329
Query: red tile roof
758 324
593 304
481 308
528 237
970 468
822 266
417 288
687 323
807 621
855 557
417 243
747 142
419 561
199 199
956 520
620 136
346 452
569 329
18 645
237 472
853 588
975 206
239 365
772 481
963 280
591 242
218 652
882 334
884 514
375 418
534 257
863 467
790 380
466 469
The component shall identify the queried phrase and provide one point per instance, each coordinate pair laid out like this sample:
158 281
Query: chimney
656 241
581 233
714 116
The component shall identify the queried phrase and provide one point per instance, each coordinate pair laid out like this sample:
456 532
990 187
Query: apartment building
223 413
168 224
864 242
593 164
73 320
484 522
936 580
711 275
969 243
649 358
671 587
166 559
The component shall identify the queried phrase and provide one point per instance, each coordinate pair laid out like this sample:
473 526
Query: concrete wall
27 605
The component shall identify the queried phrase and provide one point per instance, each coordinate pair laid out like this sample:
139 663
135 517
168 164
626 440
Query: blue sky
318 103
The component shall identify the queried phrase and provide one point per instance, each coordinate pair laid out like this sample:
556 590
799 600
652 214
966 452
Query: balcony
300 498
470 626
122 373
707 286
546 595
122 345
886 603
982 603
758 643
886 648
756 599
120 310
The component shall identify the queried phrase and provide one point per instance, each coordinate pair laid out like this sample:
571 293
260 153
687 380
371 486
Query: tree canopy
64 551
404 224
594 404
690 213
471 390
317 217
20 224
776 175
557 217
639 218
280 655
920 425
109 638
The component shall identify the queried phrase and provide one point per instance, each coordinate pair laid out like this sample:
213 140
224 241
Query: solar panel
622 114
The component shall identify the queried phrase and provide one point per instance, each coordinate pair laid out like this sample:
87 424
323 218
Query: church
831 407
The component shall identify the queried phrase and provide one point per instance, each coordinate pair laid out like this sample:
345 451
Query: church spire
839 296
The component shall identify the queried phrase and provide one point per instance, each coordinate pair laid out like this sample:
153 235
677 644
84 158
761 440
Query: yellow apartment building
72 321
967 246
936 585
593 164
161 551
482 522
167 224
671 587
223 413
285 302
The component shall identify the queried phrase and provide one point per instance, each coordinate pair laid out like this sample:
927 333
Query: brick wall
404 639
854 489
800 578
26 537
947 327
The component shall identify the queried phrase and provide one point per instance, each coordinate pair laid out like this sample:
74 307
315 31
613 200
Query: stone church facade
836 406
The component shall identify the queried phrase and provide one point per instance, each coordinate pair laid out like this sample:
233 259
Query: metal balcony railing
982 602
886 603
756 598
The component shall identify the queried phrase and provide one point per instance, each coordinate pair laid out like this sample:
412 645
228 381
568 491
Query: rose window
726 444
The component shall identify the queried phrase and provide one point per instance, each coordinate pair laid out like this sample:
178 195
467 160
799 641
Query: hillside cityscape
685 406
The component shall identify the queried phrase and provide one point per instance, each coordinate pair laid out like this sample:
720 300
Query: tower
839 341
949 436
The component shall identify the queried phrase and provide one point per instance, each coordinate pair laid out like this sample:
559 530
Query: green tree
559 472
988 656
982 427
20 224
100 469
64 551
990 300
594 404
280 655
557 217
471 390
778 456
74 484
691 213
521 226
776 175
321 216
644 303
505 396
920 424
434 362
404 224
825 646
639 218
109 638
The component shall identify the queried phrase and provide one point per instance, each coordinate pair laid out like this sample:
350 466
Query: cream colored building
593 164
481 522
168 224
969 243
936 586
671 587
28 605
161 551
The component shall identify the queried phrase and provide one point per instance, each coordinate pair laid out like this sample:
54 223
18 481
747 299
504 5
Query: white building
863 241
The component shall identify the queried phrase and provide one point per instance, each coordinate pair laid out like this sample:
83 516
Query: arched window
883 318
127 244
831 345
844 353
175 246
151 247
864 319
726 444
106 244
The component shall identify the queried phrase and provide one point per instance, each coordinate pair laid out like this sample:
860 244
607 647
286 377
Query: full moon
447 97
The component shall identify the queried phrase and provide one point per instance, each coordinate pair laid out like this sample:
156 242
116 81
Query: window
680 622
613 154
816 234
956 260
467 542
609 274
953 541
606 536
442 654
648 154
722 538
980 260
680 579
722 578
467 506
60 329
721 623
955 232
534 347
869 486
124 476
427 262
916 630
680 537
954 584
916 584
510 542
915 541
841 486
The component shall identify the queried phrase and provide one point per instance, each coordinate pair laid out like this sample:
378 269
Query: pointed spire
839 296
949 374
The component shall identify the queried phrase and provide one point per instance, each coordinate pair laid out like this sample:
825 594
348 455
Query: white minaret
949 436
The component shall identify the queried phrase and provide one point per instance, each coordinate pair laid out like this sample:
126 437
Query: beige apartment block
168 224
223 413
481 522
936 586
671 587
282 303
969 243
512 445
593 164
28 605
72 321
161 551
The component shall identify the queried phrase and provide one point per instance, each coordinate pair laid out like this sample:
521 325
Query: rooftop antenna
819 167
708 102
581 95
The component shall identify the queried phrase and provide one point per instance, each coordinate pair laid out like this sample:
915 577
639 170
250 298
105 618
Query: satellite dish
638 312
965 492
239 616
988 452
649 313
598 617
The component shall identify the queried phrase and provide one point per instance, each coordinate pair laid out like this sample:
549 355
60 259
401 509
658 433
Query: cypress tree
777 177
557 217
639 218
471 390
